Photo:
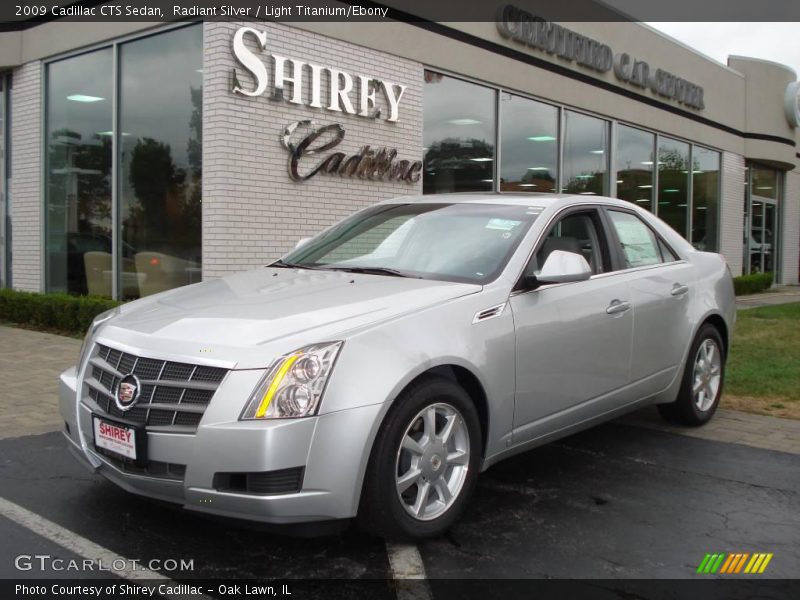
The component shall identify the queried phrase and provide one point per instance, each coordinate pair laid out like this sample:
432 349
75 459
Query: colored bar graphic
701 568
732 563
741 562
765 563
727 564
718 562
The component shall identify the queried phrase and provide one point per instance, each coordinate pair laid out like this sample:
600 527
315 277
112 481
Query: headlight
87 339
293 384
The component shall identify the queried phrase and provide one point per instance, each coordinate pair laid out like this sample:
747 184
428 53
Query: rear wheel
424 463
703 376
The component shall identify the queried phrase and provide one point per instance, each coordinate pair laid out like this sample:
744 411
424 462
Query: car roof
543 200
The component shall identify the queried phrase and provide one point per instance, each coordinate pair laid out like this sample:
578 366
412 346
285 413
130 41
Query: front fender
376 365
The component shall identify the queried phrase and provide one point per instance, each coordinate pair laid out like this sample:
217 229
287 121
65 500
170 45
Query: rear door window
639 244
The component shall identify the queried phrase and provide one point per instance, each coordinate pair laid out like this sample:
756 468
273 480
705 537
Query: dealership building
138 157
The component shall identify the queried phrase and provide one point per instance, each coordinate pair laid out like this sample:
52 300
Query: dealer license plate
115 438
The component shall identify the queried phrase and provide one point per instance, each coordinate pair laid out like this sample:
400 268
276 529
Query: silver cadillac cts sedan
375 370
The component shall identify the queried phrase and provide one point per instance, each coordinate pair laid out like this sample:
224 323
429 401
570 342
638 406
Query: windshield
453 242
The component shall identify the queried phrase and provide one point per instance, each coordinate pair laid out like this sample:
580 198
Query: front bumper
332 448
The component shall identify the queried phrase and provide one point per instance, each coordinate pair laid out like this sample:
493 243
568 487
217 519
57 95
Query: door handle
679 289
618 306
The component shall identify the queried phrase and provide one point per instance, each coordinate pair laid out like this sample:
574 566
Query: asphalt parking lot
631 501
616 501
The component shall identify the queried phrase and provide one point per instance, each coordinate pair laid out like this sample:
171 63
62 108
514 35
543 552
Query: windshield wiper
373 271
282 264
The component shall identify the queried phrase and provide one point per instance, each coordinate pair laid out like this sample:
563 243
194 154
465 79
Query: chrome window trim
602 276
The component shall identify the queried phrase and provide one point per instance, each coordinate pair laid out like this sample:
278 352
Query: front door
573 340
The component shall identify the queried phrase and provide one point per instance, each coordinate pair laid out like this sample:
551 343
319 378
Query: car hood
253 308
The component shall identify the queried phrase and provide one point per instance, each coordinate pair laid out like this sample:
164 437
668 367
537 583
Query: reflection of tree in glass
670 159
588 182
168 211
457 150
80 173
452 163
192 206
154 178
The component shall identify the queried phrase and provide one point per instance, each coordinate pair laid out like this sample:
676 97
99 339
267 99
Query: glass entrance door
762 236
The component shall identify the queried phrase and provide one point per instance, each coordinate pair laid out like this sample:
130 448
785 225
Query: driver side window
578 233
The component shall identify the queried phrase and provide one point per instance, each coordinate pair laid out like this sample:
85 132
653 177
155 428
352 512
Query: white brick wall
252 210
24 186
790 230
732 211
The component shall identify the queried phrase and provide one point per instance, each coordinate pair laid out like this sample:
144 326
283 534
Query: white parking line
81 546
408 571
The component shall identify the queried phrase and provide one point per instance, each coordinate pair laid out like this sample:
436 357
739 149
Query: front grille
283 481
173 395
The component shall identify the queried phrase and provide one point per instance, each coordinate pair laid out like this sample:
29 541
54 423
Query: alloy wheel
707 374
432 461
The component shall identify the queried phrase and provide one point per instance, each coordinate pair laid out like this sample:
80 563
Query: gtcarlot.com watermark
47 562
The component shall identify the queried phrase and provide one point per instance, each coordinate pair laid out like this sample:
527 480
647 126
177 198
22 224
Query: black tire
381 511
684 410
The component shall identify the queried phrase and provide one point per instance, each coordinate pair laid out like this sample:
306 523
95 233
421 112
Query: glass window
673 183
639 243
634 158
160 128
528 145
5 243
452 242
764 182
705 201
577 233
585 154
458 135
78 174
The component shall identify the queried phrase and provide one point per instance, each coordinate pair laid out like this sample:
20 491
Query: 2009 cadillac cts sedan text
379 367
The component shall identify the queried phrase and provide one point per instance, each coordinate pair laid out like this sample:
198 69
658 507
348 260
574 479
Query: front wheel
424 463
703 376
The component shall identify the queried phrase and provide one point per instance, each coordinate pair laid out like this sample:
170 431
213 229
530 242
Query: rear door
662 289
573 340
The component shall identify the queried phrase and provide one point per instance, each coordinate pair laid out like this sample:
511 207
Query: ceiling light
588 194
542 138
670 190
644 187
527 185
538 168
463 122
583 176
84 98
764 187
620 181
482 159
597 151
110 133
643 200
702 208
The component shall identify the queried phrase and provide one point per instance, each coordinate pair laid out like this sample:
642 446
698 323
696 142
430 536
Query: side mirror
560 267
302 242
